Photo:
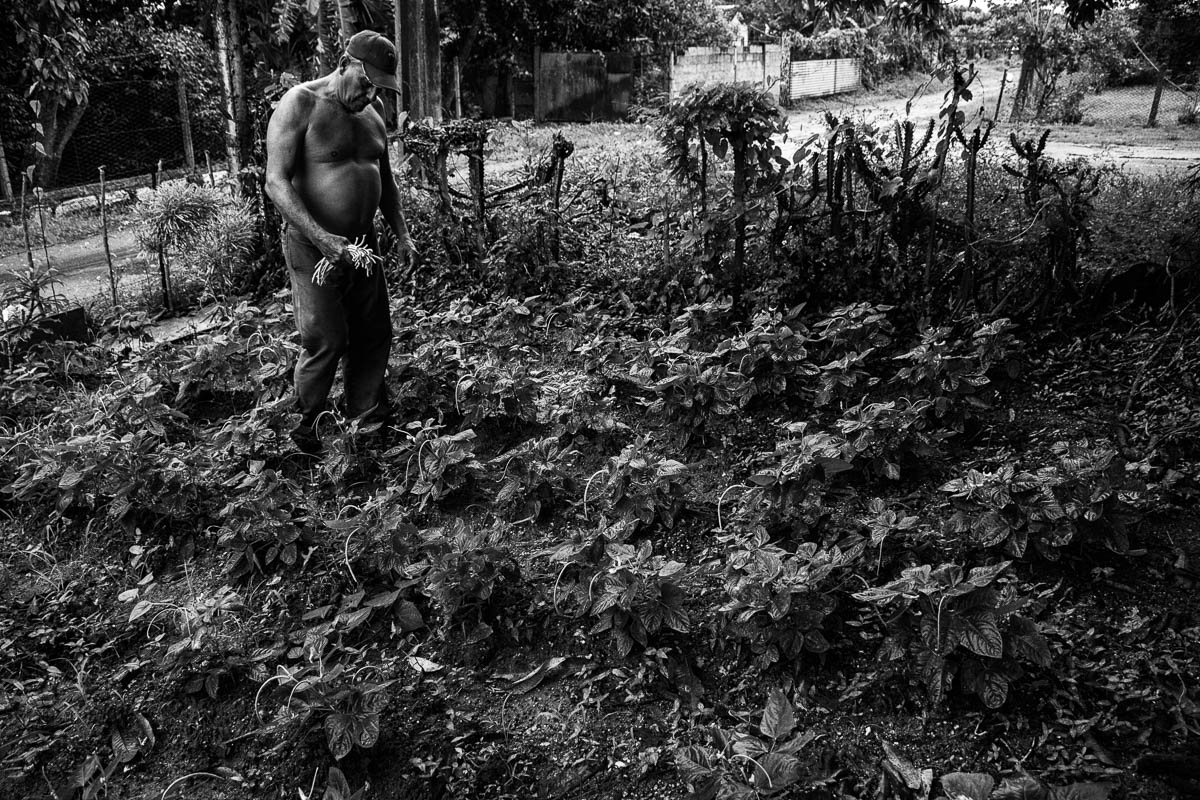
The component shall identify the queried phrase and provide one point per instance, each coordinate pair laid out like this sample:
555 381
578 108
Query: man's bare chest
335 136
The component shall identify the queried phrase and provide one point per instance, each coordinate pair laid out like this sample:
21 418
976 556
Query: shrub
955 626
779 601
643 488
1048 508
632 593
199 233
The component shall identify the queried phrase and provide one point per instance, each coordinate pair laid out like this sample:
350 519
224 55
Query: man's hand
335 248
408 250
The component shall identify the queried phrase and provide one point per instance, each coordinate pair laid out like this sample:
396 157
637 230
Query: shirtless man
328 173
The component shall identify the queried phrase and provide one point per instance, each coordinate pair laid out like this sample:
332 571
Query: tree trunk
421 64
1031 58
398 40
349 20
327 34
55 135
238 77
433 61
232 153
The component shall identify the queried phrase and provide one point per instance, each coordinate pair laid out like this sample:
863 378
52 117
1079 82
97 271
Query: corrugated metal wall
579 87
829 76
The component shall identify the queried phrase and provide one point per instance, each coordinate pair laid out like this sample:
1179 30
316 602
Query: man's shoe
307 441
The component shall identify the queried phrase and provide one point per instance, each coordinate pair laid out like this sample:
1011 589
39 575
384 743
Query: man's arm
389 200
285 142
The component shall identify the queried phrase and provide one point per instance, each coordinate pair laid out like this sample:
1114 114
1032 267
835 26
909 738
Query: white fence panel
828 76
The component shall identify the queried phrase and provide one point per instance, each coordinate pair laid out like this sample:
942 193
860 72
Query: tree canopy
497 31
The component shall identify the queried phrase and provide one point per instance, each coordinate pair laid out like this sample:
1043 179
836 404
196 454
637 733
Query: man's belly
341 197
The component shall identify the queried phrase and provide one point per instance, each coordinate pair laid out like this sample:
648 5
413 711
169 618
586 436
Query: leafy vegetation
635 531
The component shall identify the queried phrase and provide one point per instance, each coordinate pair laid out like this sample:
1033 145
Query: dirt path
1136 149
82 265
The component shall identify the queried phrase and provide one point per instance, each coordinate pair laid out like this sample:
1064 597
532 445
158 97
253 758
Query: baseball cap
378 56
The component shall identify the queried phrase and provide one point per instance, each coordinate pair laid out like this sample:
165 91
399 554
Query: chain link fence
1125 76
137 127
141 131
131 127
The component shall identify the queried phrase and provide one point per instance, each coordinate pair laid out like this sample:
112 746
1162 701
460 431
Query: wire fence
1146 91
137 125
131 126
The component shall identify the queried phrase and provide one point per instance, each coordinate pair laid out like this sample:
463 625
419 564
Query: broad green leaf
1082 791
779 718
990 529
1021 787
993 689
382 599
336 786
124 745
815 642
983 576
967 785
408 617
479 633
915 779
532 679
694 762
745 744
364 730
140 609
337 734
776 771
423 665
981 635
348 622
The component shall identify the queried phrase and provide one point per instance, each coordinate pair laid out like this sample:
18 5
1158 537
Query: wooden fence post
185 124
1158 90
966 292
5 181
539 107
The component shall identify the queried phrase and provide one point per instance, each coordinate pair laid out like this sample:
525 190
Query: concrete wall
818 78
757 64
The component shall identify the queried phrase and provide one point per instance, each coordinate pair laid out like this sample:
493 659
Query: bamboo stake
25 221
1000 97
112 275
457 89
212 178
40 194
